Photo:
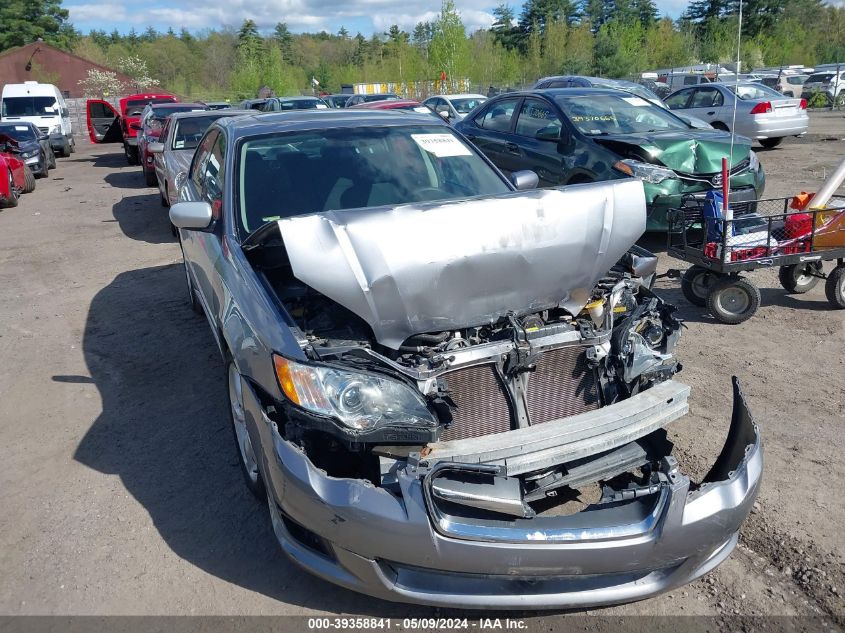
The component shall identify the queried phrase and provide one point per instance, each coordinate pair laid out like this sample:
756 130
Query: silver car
449 388
762 114
454 107
175 148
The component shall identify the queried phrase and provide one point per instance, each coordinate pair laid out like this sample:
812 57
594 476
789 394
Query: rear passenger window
201 158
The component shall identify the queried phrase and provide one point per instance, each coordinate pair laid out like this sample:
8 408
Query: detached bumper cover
369 540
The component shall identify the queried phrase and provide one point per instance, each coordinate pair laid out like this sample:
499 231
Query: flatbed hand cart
762 234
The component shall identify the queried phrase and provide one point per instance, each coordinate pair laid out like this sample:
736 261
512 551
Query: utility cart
762 234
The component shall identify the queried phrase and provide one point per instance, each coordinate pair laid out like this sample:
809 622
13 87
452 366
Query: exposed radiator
482 407
562 385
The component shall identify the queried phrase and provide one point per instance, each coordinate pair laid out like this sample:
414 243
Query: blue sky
366 16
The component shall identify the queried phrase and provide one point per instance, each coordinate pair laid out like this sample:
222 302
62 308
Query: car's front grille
562 385
482 406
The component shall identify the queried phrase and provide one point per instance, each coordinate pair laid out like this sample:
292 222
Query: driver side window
201 158
536 115
678 100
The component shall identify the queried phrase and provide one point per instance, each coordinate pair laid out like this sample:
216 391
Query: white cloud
300 15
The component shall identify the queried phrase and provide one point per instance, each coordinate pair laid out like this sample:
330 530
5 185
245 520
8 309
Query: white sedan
454 108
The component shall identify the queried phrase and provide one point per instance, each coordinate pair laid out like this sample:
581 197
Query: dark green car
577 135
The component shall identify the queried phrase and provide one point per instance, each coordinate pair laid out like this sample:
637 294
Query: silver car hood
430 267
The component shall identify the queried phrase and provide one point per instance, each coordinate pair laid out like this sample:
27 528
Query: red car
394 104
152 122
107 125
12 179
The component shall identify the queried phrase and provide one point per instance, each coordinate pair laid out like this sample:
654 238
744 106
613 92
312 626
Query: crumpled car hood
689 152
412 269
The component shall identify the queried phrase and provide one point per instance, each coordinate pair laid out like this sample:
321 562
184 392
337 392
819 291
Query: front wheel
29 180
246 453
834 288
733 300
12 200
769 143
150 178
696 283
800 278
131 154
52 159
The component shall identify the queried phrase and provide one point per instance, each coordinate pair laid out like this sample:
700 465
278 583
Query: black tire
695 284
834 287
131 154
150 178
733 300
165 199
173 230
45 167
192 295
769 143
243 443
65 151
800 278
29 185
12 200
718 125
52 158
72 145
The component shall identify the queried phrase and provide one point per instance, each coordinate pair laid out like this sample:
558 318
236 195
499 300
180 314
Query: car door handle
712 112
513 148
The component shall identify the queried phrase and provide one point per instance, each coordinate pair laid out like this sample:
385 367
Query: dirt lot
119 487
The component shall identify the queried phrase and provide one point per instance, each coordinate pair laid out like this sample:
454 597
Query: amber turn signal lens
625 169
283 375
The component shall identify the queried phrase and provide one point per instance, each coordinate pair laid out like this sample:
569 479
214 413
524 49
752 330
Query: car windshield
796 80
466 104
134 107
302 104
18 132
189 130
608 114
753 92
822 78
368 98
29 106
283 175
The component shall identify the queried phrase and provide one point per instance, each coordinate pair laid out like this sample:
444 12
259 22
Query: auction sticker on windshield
441 145
635 101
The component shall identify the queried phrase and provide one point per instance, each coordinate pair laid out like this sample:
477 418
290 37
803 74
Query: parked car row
427 359
35 127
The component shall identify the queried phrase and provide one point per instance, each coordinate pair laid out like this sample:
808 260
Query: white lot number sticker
441 145
21 128
635 101
321 106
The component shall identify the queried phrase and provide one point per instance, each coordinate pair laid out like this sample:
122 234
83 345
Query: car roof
386 104
258 123
565 92
296 98
461 95
179 104
204 113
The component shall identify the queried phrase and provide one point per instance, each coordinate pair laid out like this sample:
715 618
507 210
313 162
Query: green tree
24 21
250 44
449 50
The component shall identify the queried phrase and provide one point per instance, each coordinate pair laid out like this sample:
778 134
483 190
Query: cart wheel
835 287
696 283
800 278
733 300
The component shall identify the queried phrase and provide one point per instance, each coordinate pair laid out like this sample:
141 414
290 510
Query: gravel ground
119 485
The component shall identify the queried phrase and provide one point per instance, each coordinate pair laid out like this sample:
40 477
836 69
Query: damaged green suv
578 135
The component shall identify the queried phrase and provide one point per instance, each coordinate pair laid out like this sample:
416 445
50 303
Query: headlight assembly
30 154
359 401
644 171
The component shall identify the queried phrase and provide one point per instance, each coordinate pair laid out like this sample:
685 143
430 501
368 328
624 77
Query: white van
42 105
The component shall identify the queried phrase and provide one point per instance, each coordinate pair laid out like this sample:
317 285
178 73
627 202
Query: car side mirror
156 148
43 137
65 112
443 111
191 215
525 179
548 133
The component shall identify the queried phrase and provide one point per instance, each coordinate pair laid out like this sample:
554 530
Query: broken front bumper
399 548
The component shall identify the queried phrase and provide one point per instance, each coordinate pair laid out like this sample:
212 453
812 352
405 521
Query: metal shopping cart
762 234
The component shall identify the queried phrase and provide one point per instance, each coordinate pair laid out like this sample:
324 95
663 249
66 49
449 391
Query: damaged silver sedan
451 389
